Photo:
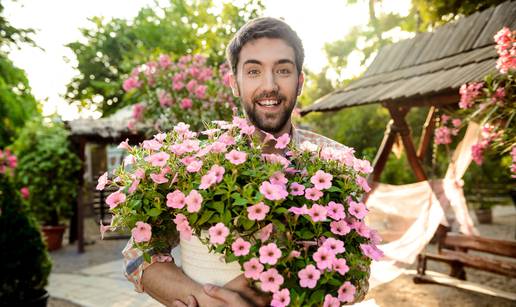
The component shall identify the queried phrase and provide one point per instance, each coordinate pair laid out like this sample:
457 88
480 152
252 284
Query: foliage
26 262
110 49
49 168
185 91
226 185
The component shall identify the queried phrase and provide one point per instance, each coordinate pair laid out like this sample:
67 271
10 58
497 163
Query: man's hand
240 285
213 296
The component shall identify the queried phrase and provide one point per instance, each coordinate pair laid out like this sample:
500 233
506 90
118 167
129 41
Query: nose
270 84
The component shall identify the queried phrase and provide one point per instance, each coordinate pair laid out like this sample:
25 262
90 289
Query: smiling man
266 58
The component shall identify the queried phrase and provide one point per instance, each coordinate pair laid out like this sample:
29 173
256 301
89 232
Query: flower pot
484 216
53 236
39 299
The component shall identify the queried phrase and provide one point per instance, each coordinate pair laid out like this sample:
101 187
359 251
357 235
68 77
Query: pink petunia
193 201
313 194
114 199
218 233
371 251
176 200
281 298
340 227
257 212
134 186
25 192
186 103
297 189
152 145
339 265
265 232
141 232
124 145
362 166
247 129
323 258
346 292
240 247
271 280
139 174
219 147
236 157
298 210
253 268
321 180
331 301
358 210
336 210
103 180
207 181
194 166
362 182
218 171
308 276
158 159
159 178
269 254
317 213
334 245
282 141
278 178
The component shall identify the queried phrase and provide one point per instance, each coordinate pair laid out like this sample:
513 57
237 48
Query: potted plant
25 262
49 169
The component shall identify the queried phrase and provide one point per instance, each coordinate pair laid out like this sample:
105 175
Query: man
266 57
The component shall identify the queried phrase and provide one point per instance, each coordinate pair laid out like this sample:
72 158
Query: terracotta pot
53 236
484 216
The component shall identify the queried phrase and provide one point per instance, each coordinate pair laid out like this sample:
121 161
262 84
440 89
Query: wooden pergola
425 71
103 131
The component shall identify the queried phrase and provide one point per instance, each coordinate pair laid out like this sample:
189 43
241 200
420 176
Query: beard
271 122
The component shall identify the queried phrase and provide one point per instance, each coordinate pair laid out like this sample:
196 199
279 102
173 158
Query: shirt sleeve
135 264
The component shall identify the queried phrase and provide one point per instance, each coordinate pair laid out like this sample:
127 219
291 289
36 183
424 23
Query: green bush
25 261
49 168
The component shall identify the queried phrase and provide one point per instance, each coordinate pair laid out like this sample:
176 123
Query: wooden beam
482 244
398 115
426 134
383 152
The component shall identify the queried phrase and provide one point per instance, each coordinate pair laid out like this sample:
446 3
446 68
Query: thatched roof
429 64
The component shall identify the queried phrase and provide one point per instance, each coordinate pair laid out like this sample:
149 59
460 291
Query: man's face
268 83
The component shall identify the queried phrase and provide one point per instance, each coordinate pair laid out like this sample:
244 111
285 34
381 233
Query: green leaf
334 189
218 206
147 257
206 215
305 234
247 223
226 217
316 297
154 212
240 202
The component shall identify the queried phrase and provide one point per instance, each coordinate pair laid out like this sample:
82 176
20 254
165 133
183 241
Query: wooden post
398 115
80 199
383 152
426 134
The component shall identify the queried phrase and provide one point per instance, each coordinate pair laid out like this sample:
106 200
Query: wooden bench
453 249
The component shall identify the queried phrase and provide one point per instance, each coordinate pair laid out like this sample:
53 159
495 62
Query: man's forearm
165 282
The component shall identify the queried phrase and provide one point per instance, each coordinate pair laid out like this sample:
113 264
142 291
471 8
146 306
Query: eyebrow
282 61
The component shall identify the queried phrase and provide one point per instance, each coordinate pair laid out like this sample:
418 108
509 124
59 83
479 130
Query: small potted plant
25 262
49 169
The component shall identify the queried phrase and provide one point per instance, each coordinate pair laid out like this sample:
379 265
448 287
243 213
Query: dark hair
267 27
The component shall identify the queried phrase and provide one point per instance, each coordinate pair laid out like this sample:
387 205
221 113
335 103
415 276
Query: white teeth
268 102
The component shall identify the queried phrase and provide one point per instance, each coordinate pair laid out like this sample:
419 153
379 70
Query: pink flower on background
323 258
321 180
103 180
313 194
346 292
176 200
442 135
298 210
129 159
104 229
334 245
141 232
362 166
219 147
193 201
340 227
240 247
208 180
165 100
331 301
297 189
336 210
468 93
271 191
25 192
186 103
164 61
218 233
271 280
308 276
371 251
339 265
278 178
139 174
456 122
269 254
191 85
274 158
194 166
513 166
124 145
131 83
506 49
158 159
253 268
200 91
265 232
362 182
247 129
282 141
317 213
281 298
358 210
218 171
138 111
236 157
152 144
257 212
114 199
158 178
134 186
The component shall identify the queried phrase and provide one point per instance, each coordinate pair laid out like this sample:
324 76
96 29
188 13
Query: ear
234 85
300 82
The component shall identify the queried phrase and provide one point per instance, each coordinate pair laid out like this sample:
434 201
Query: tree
112 48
